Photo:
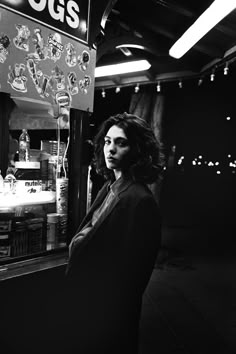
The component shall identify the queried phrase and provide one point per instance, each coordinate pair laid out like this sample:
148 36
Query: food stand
46 83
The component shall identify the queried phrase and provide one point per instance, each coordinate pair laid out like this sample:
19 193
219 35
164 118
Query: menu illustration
40 63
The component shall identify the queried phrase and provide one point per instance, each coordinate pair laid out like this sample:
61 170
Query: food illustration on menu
65 77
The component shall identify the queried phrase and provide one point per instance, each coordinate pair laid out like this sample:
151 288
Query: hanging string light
212 77
178 80
103 93
200 81
226 69
117 89
136 89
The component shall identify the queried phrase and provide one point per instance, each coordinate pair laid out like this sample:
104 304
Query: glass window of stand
34 197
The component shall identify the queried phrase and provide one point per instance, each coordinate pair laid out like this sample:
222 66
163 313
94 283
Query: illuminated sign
38 63
67 16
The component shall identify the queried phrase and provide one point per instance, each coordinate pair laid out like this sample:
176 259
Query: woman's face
116 148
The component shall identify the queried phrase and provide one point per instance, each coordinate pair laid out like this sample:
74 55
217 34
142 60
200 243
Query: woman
112 256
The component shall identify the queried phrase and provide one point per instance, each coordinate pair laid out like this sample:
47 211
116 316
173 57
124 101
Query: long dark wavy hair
145 157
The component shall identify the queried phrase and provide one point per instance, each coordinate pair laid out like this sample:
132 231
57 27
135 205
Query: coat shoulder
137 192
138 189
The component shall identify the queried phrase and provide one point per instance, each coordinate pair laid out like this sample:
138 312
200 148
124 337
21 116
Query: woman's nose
112 148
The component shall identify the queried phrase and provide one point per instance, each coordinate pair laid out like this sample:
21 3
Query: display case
33 209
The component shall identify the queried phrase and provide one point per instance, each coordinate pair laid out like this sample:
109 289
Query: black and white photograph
117 177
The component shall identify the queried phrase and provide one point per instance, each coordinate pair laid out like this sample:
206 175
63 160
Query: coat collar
117 188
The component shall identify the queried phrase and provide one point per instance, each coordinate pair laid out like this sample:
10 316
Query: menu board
40 63
69 17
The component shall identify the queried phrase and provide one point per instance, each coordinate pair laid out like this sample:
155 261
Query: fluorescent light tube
213 15
137 46
122 68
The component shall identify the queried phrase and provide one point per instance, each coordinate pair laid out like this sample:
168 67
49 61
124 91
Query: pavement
189 306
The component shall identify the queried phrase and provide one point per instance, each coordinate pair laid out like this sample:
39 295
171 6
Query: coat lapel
97 202
111 207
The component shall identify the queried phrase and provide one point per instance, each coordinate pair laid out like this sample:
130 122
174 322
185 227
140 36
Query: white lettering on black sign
58 11
68 16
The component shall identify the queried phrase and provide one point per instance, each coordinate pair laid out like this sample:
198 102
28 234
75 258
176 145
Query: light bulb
136 89
226 69
200 81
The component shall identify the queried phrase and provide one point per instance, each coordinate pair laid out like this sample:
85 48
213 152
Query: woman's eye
122 143
106 142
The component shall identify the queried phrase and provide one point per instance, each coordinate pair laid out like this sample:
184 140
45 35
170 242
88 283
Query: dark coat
108 273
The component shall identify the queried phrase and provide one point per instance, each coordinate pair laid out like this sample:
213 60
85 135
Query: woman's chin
110 165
